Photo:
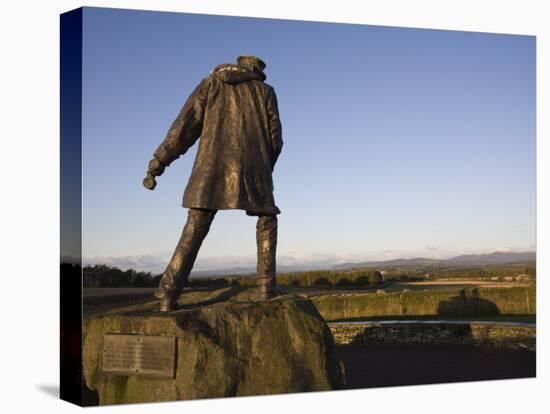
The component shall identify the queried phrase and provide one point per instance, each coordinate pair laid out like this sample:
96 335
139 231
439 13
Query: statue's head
252 63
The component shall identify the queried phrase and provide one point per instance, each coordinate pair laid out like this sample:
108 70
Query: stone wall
520 300
511 335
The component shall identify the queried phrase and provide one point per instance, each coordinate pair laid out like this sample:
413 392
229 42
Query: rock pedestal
224 349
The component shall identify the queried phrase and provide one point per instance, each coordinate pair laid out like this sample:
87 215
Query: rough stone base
223 349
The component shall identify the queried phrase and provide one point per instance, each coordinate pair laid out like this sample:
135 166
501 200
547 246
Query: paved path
408 364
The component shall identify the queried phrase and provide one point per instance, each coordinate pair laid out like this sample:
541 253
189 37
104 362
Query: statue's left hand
149 181
156 168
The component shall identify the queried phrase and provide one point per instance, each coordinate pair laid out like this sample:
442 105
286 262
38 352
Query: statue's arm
186 128
275 128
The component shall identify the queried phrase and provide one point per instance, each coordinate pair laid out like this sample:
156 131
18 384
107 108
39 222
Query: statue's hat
251 62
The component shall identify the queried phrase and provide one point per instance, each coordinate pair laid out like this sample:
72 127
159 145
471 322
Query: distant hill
494 258
417 261
252 270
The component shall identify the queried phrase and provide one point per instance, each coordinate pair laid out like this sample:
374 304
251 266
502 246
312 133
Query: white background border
29 218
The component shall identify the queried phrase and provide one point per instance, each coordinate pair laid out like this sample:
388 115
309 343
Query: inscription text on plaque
146 355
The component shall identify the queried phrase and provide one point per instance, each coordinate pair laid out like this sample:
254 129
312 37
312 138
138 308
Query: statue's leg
177 273
266 241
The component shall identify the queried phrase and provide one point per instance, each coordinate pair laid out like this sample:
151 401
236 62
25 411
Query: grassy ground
446 284
397 286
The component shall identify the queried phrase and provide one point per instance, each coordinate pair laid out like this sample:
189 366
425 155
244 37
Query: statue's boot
176 275
168 297
266 242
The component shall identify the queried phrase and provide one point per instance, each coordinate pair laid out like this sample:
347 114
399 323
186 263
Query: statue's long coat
235 115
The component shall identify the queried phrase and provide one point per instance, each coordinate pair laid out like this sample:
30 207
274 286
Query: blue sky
398 142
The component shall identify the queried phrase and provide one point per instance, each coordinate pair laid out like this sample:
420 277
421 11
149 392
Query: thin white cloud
146 263
503 250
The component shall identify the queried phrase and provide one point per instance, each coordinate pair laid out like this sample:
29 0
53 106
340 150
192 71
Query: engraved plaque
151 356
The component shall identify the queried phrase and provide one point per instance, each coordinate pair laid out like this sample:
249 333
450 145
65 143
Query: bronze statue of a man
235 114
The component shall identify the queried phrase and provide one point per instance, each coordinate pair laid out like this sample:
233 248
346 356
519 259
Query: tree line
113 277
